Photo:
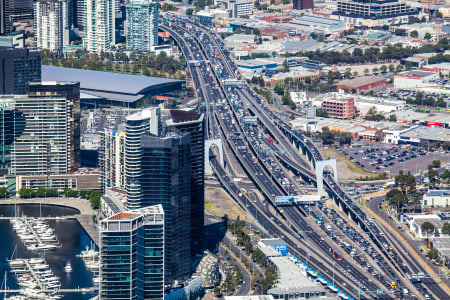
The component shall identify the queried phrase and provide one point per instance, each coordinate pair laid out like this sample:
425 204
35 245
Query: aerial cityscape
226 149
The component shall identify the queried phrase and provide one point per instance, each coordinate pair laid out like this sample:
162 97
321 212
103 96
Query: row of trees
373 54
265 93
429 101
270 275
42 192
428 229
145 63
373 115
407 193
329 137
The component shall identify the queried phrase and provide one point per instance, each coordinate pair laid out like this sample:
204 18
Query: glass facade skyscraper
132 255
194 123
142 24
12 125
18 67
136 125
165 179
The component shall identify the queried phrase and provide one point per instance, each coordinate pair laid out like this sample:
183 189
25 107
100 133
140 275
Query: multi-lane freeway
210 63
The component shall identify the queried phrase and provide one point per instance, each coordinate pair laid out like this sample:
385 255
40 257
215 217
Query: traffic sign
360 292
379 291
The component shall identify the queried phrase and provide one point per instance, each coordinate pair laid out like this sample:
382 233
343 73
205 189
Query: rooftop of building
438 193
415 73
143 114
428 133
124 216
107 82
361 81
440 117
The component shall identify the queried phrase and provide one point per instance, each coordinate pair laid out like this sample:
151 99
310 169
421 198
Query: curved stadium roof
107 82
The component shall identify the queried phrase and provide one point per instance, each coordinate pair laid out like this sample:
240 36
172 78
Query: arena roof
125 88
104 81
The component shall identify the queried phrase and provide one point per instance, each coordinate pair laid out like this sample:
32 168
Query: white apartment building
241 8
142 25
52 24
100 25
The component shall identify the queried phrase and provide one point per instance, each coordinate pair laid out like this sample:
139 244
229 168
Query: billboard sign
224 29
163 34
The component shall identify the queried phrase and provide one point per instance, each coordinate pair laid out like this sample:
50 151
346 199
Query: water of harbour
70 235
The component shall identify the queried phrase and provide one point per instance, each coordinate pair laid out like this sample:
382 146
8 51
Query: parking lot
379 159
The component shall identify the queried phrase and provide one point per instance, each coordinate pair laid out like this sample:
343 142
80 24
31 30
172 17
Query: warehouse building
415 79
114 89
362 84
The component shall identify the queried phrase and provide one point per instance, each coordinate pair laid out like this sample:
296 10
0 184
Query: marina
78 283
35 233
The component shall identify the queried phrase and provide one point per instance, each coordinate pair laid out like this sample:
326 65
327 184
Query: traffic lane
262 219
374 206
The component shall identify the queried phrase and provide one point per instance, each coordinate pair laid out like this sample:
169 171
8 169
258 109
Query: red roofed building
363 84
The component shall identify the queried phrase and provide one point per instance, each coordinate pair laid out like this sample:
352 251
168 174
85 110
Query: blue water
73 240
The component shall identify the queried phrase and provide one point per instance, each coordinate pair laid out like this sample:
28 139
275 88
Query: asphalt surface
259 174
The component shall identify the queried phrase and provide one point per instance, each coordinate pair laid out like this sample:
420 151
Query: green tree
327 136
446 228
366 71
433 176
95 197
189 11
414 34
4 192
427 228
345 138
383 68
26 193
433 253
285 67
427 36
446 174
436 163
391 68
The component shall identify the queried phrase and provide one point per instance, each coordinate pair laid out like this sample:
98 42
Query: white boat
93 265
32 294
35 261
40 266
28 284
68 268
41 247
19 271
16 263
53 278
88 253
96 280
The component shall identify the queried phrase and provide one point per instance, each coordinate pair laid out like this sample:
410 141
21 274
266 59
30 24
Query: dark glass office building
194 123
18 67
165 179
132 255
12 125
